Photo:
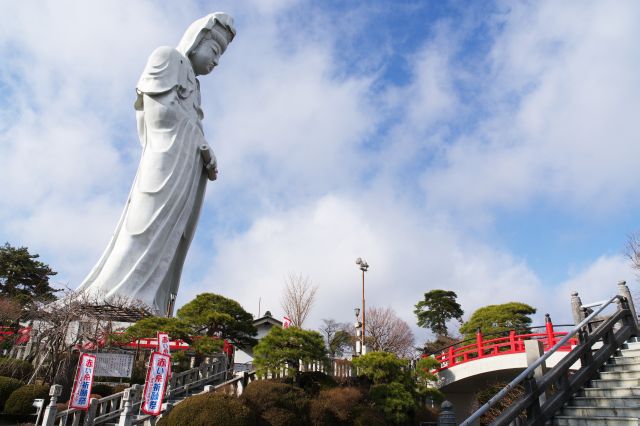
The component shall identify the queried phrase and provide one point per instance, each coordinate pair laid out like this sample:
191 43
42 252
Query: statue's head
206 39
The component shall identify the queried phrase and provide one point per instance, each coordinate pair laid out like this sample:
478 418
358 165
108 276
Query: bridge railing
503 345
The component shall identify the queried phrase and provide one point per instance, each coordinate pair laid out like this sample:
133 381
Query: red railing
504 345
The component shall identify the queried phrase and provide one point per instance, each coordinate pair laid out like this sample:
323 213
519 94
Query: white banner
164 344
114 364
156 383
83 383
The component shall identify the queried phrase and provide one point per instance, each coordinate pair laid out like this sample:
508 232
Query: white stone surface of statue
145 255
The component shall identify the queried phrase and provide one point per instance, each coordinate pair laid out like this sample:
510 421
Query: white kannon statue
147 250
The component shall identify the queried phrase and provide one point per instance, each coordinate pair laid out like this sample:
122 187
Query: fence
504 345
121 407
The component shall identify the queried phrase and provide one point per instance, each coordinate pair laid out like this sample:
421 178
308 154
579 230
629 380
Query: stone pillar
576 308
447 417
51 410
534 349
91 412
126 416
623 290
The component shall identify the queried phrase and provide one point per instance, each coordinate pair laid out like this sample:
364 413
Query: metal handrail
529 370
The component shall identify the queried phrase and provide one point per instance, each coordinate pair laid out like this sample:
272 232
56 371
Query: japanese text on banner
80 395
164 344
156 382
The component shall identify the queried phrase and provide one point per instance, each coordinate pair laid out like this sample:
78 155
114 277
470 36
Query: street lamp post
363 267
358 326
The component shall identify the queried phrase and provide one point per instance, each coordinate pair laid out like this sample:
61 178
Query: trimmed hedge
335 406
263 395
278 417
211 409
21 400
7 386
102 390
16 368
314 381
369 416
395 401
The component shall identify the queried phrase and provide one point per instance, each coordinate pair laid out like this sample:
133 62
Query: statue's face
205 57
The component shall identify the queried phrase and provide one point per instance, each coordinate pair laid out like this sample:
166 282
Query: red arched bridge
512 343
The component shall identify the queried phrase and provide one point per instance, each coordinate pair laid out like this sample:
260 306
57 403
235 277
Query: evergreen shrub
394 400
210 409
279 417
7 386
21 400
335 406
263 395
312 382
369 416
102 390
16 368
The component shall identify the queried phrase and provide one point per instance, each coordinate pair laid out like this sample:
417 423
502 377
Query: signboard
164 344
83 383
154 386
286 322
111 364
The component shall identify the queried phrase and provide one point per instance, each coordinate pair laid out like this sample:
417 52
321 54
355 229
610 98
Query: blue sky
485 147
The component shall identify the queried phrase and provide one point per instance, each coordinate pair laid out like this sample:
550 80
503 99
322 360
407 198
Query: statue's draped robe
147 250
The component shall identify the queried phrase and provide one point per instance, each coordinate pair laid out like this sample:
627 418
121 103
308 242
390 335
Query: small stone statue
147 250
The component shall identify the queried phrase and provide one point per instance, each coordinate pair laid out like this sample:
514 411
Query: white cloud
561 96
408 254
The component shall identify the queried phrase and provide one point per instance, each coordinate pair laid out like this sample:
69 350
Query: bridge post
534 349
452 358
576 308
623 290
447 417
551 341
126 416
51 410
91 412
479 343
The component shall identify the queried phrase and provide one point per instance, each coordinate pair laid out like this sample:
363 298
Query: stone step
631 345
615 411
617 375
612 392
625 360
591 421
630 352
602 401
621 367
615 383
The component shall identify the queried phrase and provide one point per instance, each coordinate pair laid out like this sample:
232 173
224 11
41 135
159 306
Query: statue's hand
210 162
212 167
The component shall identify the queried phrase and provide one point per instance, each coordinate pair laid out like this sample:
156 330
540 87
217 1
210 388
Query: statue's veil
197 29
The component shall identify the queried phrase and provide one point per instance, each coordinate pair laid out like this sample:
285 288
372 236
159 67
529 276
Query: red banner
81 392
164 343
156 383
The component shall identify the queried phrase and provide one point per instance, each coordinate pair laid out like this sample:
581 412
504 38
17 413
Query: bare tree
338 337
633 250
298 297
74 322
385 331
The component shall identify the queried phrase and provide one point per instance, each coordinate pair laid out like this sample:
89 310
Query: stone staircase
611 399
